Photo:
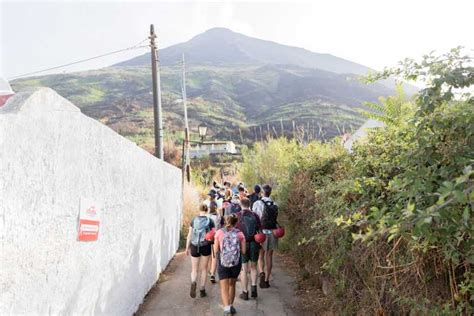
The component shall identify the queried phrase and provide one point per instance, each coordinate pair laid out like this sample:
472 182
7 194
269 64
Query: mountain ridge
222 45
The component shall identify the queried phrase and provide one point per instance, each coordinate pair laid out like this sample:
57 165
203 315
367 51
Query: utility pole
157 114
186 165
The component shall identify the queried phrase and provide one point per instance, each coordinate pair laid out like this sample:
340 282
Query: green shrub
392 225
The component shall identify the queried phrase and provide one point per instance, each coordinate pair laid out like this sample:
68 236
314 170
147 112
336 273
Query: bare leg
194 268
225 292
261 261
203 271
213 265
269 263
244 280
253 273
232 291
209 265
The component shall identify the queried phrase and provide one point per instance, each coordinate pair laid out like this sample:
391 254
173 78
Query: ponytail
230 221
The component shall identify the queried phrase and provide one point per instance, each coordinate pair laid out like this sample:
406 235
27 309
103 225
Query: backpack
230 250
217 219
200 228
269 215
248 225
232 209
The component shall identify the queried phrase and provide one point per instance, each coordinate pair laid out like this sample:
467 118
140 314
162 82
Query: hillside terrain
255 88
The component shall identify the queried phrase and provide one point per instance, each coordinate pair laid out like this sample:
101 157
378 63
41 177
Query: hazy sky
37 35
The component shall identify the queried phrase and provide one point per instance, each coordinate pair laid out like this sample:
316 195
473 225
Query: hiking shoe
202 293
213 279
262 280
267 284
254 291
193 290
244 296
232 309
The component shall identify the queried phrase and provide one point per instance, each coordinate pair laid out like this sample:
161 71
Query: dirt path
171 295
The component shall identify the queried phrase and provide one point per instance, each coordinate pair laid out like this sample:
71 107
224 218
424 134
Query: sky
37 35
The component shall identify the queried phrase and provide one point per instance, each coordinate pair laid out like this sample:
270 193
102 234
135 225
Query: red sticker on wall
89 220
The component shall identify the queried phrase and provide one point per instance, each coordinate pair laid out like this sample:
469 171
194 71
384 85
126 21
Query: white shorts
270 243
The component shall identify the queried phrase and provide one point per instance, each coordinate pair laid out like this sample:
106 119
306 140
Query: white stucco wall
51 155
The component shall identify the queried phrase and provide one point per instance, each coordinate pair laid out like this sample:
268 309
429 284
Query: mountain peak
221 45
216 34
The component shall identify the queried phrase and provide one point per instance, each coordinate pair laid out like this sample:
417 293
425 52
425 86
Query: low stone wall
51 157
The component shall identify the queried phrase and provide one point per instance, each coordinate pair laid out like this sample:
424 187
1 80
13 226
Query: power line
136 46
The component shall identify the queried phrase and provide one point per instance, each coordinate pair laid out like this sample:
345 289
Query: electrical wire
136 46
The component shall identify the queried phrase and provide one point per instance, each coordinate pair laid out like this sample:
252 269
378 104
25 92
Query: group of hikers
235 233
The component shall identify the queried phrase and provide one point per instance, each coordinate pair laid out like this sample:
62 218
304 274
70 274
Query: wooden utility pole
157 115
241 137
186 164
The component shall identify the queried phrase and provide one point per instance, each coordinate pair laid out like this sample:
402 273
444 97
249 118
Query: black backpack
253 198
248 225
269 215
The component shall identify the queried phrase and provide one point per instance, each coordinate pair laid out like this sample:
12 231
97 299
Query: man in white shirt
269 223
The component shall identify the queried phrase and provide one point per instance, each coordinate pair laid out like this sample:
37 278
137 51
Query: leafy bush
390 228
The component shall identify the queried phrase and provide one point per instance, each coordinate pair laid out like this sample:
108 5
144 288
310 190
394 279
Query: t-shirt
217 219
220 236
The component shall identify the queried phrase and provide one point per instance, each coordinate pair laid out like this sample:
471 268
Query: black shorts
228 273
203 250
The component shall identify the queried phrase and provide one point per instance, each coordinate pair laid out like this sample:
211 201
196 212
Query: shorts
252 253
202 251
270 243
228 273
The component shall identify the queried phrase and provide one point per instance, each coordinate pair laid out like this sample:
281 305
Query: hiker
249 224
255 196
211 198
218 221
234 206
228 190
199 249
267 210
242 192
229 244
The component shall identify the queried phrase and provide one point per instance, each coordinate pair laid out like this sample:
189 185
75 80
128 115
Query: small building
212 148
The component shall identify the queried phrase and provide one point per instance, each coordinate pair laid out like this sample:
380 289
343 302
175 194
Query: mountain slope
223 46
225 98
239 86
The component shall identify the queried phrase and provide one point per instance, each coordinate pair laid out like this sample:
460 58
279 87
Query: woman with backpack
218 223
229 245
200 249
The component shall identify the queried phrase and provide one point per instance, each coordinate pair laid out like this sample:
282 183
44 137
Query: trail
171 295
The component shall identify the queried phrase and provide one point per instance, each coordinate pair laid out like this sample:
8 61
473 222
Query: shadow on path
171 295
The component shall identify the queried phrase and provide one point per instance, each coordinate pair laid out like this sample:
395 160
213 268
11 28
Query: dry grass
193 197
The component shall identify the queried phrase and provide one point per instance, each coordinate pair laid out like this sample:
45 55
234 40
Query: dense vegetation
389 228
